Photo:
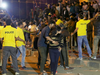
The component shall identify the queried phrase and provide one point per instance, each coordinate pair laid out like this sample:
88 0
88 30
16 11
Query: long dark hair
54 30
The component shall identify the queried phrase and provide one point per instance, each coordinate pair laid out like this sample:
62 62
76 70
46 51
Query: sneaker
56 72
16 73
51 73
23 68
79 58
66 68
61 66
11 66
94 57
44 72
41 73
4 74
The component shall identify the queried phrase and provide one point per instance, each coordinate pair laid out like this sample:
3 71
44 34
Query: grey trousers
0 57
12 51
64 57
43 54
95 45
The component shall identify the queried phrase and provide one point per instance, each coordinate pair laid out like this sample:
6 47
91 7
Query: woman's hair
54 30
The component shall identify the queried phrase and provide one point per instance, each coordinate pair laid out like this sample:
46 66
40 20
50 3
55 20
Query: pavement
79 68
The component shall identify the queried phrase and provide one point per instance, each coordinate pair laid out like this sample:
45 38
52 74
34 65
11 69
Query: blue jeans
22 51
81 39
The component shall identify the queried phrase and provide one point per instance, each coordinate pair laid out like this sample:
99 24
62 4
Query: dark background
21 8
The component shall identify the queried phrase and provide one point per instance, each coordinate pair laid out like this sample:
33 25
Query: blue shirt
43 35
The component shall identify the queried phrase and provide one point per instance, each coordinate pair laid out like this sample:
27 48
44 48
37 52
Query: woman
54 50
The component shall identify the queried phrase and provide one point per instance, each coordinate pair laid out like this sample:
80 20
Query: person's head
8 22
75 2
66 1
55 31
95 1
0 23
58 29
64 8
48 6
30 23
51 24
4 23
20 24
72 4
57 18
40 9
41 22
89 3
84 2
31 10
26 27
80 16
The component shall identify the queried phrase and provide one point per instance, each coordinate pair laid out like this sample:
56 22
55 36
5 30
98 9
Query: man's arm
18 38
0 39
74 32
48 38
94 16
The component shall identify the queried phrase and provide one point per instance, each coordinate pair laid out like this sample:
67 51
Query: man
42 46
64 52
31 14
33 28
81 32
21 45
96 24
8 36
65 13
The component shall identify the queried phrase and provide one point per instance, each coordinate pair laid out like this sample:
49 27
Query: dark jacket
97 27
66 15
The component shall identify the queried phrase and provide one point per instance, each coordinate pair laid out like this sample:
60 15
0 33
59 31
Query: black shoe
23 68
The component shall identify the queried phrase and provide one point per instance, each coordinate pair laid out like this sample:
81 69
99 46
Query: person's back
9 34
97 27
82 26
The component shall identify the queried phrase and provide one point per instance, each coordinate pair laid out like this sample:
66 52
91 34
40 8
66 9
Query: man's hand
97 14
55 42
24 42
72 34
59 49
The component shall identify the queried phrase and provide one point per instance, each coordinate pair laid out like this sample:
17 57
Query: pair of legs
22 50
54 56
12 51
81 39
43 55
64 57
95 45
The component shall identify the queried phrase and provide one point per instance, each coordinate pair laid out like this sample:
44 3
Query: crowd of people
51 31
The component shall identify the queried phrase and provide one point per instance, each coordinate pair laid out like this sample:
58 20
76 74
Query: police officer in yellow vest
9 35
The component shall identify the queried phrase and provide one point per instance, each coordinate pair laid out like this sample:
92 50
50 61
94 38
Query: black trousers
54 56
